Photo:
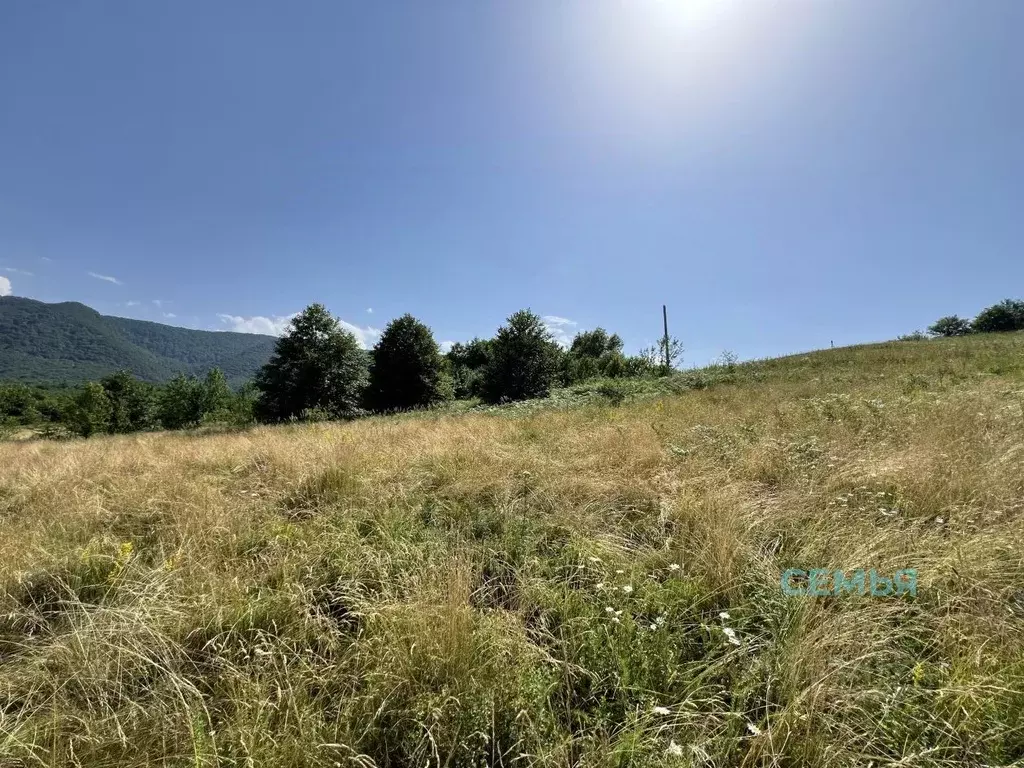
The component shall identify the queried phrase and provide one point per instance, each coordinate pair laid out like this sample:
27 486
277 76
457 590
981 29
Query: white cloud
170 315
5 286
131 303
366 337
276 325
562 328
15 271
271 326
108 278
369 310
445 346
44 258
160 302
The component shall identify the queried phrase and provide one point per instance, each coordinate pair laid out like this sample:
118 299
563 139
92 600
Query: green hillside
70 342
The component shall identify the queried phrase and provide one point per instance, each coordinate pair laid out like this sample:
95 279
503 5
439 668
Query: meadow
589 581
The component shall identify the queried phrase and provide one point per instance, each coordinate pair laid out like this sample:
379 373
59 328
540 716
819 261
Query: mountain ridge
70 342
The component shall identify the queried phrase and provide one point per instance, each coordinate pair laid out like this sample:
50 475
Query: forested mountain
70 342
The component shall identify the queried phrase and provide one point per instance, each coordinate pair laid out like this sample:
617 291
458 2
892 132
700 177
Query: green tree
466 364
1007 315
524 360
216 395
950 326
593 353
180 404
131 401
90 412
407 370
315 365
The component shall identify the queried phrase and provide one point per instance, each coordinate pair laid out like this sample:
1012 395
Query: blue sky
780 174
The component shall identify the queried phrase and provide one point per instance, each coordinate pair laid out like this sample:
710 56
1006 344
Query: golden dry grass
540 589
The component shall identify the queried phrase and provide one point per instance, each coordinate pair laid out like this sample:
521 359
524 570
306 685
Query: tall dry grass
587 587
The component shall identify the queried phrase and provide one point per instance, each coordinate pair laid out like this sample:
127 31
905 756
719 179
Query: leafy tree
407 370
181 403
466 364
316 365
594 353
216 395
950 326
91 410
1007 315
524 360
131 403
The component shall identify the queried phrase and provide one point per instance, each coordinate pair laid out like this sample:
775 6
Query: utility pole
664 317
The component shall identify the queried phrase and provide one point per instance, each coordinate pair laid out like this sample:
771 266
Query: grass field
595 585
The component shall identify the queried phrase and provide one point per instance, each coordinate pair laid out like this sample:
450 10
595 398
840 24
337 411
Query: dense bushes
1006 316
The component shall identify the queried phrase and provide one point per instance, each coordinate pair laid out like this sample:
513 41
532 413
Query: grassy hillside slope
593 586
70 342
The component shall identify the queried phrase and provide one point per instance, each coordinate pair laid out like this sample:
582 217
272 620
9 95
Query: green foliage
594 354
181 403
72 343
1007 315
467 363
407 370
524 360
91 411
316 365
915 336
132 403
950 326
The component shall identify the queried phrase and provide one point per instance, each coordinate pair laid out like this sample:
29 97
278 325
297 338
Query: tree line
319 371
1006 316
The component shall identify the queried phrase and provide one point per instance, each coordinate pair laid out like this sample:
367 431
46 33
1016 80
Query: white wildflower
753 729
600 585
939 520
654 627
662 711
627 588
731 635
674 567
724 615
594 559
616 619
676 750
620 571
609 609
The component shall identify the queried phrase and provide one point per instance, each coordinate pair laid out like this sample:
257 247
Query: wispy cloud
170 315
16 271
276 325
132 303
45 258
107 278
5 286
561 328
160 303
369 310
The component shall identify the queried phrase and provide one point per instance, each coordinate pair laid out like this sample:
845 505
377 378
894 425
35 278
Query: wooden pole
664 317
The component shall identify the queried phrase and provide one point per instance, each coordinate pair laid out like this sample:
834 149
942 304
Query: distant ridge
70 343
